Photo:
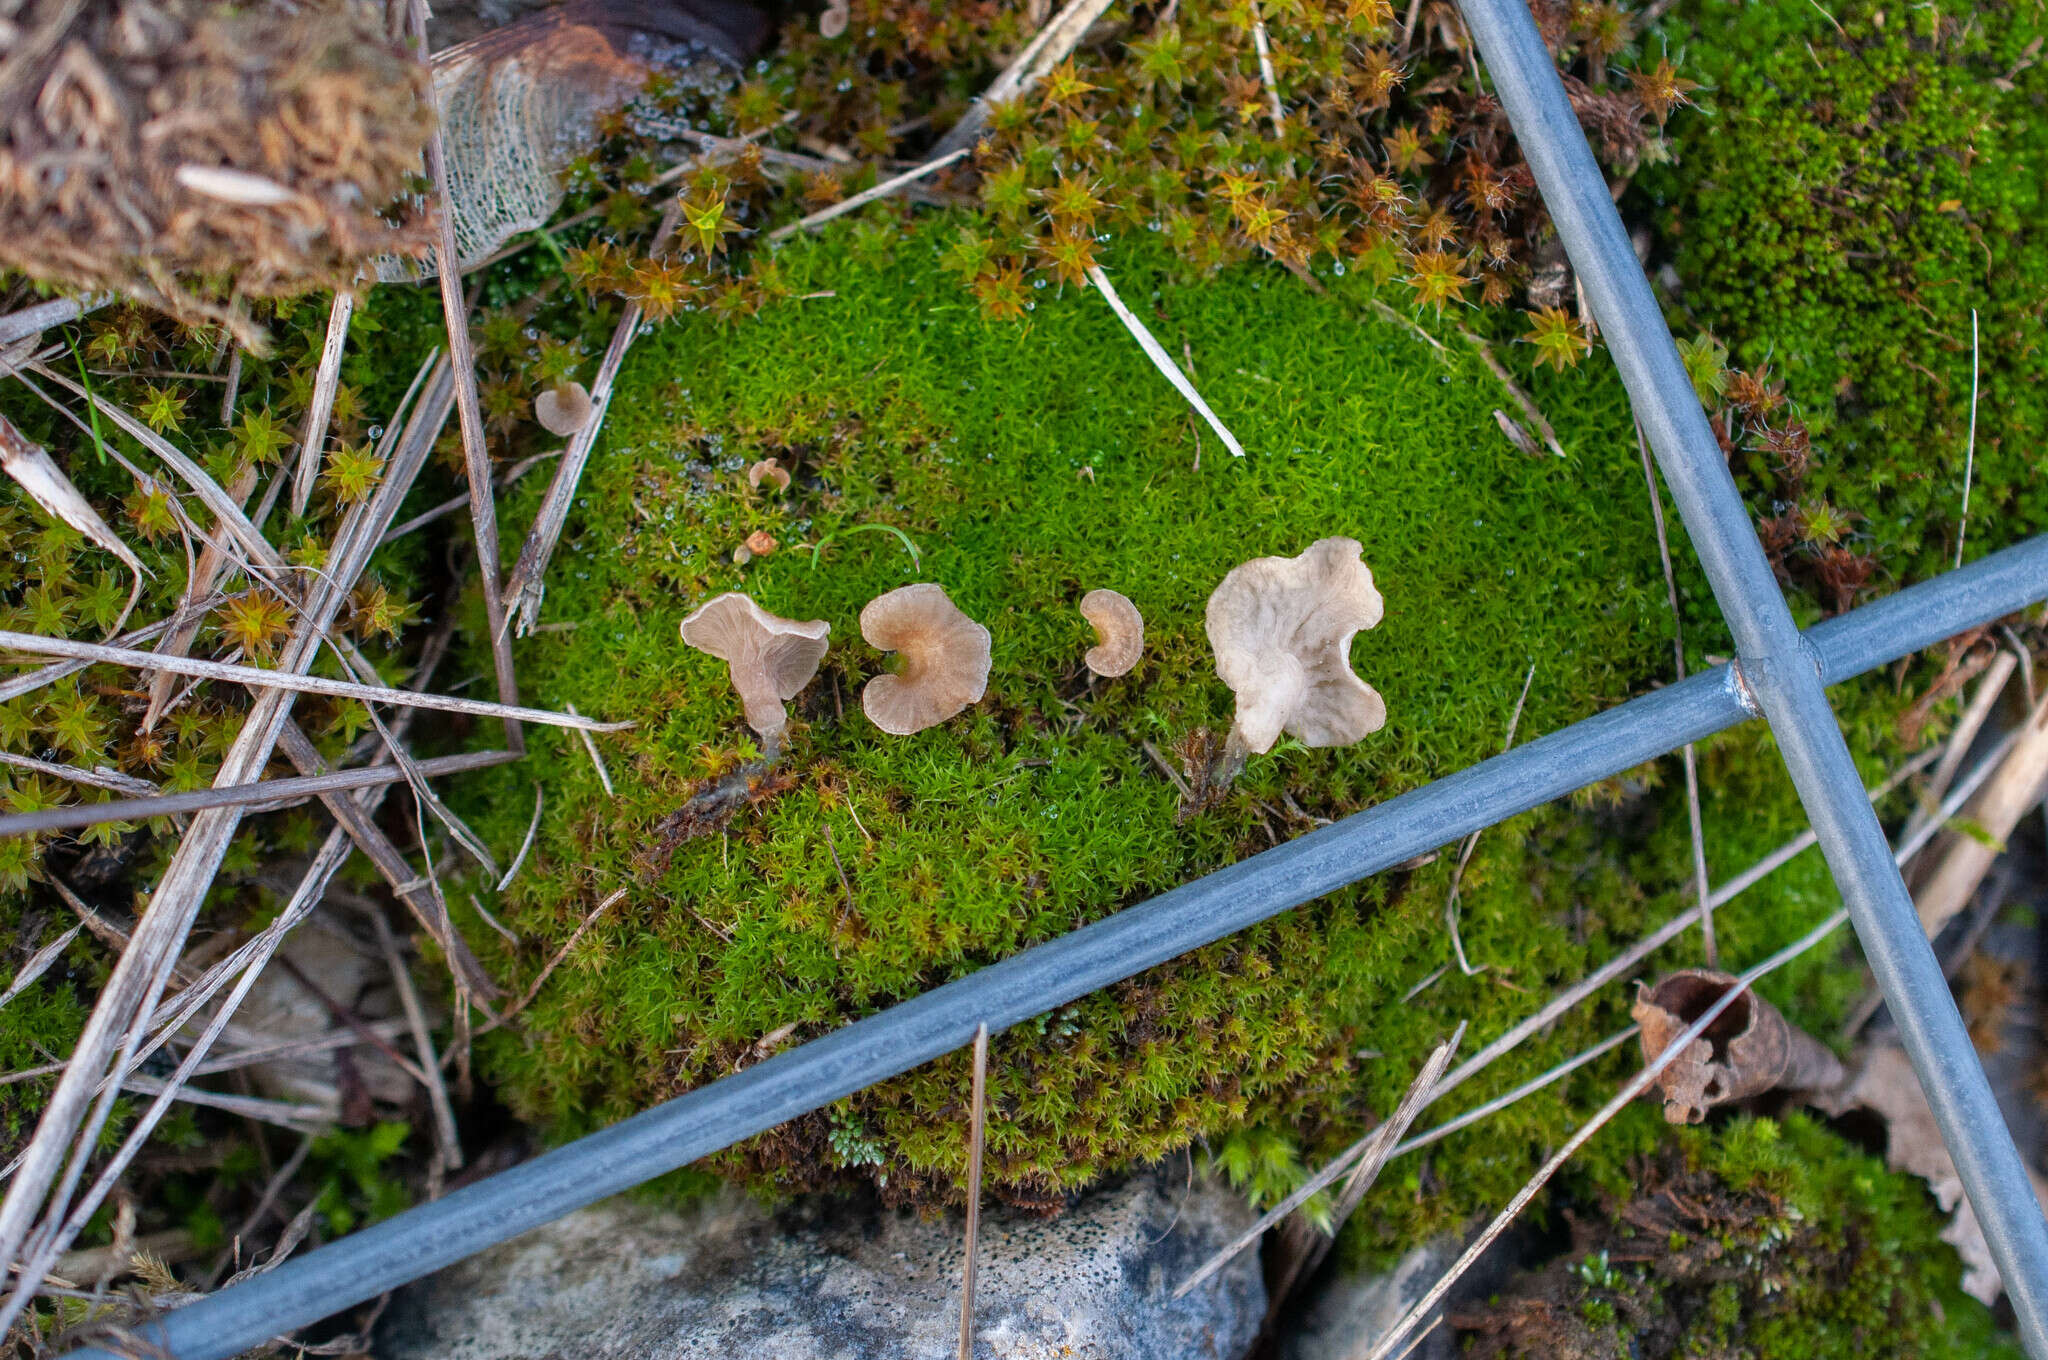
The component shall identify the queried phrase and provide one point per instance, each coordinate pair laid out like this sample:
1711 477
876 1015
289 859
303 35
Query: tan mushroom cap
945 659
1281 628
770 658
564 409
768 470
1121 629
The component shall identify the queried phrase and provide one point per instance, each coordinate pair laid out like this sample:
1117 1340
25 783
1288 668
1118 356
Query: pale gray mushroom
564 409
1120 629
832 23
1281 628
945 659
770 658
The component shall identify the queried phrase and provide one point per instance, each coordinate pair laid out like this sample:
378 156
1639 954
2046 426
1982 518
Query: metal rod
238 795
1773 662
1046 976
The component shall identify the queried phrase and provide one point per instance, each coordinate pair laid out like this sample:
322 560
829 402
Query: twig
271 1190
326 378
213 561
604 776
1692 772
2009 794
976 1132
1969 449
43 315
1472 842
525 845
523 591
493 922
38 963
288 681
1373 1149
1530 411
234 384
1272 82
264 793
483 509
454 503
446 1136
1629 1091
1526 1089
867 196
1160 360
297 1048
1045 51
111 780
1409 323
575 937
1968 724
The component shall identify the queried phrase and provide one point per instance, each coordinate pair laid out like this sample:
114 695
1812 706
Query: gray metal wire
1774 663
1042 978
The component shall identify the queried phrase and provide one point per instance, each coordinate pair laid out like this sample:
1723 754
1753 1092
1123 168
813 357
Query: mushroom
832 23
770 658
1281 628
768 470
564 409
945 659
1120 628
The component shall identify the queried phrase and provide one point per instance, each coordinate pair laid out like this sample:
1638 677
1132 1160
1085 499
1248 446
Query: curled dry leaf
1749 1049
564 409
1884 1083
768 470
1120 628
1281 628
769 658
945 659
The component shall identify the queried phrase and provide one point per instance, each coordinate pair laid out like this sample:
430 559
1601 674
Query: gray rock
1347 1316
829 1281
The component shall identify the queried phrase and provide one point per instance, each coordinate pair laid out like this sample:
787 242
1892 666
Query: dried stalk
264 794
867 196
575 938
1968 724
205 575
1472 842
2007 796
1045 51
293 681
37 474
524 590
977 1129
446 1137
1160 360
38 964
111 780
1692 768
327 377
1629 1091
1526 1089
1527 404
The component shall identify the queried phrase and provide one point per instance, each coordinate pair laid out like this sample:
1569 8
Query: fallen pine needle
867 196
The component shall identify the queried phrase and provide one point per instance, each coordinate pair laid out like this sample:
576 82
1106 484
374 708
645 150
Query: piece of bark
1748 1050
2012 789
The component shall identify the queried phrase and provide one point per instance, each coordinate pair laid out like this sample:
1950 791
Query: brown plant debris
190 154
1749 1049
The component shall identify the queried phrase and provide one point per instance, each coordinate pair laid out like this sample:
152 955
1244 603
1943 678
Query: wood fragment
1996 810
320 410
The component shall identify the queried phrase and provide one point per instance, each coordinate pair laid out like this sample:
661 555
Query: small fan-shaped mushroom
832 23
768 470
564 409
1281 628
945 659
1120 628
770 658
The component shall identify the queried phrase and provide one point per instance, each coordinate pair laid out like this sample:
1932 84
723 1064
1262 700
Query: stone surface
829 1280
1348 1313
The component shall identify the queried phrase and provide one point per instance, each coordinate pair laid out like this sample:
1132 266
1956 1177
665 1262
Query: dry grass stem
493 922
213 562
1368 1155
1047 49
1970 446
1472 842
1968 724
38 963
2009 794
575 938
293 682
1522 400
448 1139
111 780
1526 1089
525 846
1160 359
977 1130
1271 81
604 776
1692 769
1633 1088
327 377
867 196
454 503
299 1048
263 795
38 475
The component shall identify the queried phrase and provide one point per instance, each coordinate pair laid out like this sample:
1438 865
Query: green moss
1799 1244
1862 177
1029 464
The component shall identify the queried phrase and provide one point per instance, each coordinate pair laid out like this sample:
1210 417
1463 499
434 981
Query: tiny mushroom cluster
1280 627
